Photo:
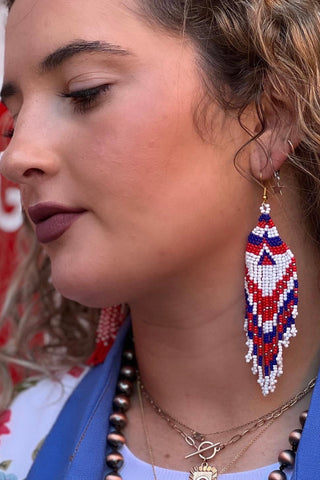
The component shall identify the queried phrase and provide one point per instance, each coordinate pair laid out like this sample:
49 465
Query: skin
138 152
167 214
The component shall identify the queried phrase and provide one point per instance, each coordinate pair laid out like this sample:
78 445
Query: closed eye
84 100
8 133
6 129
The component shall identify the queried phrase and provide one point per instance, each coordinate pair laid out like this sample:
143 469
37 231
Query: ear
271 149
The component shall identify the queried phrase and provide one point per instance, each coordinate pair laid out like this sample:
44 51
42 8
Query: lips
52 220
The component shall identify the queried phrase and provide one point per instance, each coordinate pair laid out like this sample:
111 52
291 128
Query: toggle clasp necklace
204 471
205 446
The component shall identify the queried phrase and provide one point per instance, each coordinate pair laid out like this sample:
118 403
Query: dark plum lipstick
52 220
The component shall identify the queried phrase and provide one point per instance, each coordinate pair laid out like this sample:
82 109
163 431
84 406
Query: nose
29 157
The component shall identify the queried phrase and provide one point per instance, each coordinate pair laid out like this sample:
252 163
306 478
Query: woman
147 135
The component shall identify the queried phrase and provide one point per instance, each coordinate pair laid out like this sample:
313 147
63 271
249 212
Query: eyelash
84 100
9 133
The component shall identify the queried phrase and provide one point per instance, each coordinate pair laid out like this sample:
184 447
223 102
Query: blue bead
254 239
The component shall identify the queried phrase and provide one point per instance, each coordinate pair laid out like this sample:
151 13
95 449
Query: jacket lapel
308 457
75 448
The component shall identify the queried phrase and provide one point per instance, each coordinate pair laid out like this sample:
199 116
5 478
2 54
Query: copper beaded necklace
118 421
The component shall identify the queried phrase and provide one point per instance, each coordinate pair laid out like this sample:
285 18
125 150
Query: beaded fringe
111 319
271 288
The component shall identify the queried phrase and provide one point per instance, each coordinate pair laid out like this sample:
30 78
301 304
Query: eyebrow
59 56
55 59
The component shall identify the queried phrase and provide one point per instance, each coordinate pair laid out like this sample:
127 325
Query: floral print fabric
24 426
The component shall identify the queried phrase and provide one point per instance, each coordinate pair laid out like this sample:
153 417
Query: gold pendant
204 472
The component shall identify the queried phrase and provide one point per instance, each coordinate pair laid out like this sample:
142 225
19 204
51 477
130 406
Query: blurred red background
10 210
10 222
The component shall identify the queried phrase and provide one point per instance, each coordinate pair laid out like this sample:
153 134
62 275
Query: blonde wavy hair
248 51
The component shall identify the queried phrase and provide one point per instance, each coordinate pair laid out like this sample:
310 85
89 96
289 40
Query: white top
24 426
135 469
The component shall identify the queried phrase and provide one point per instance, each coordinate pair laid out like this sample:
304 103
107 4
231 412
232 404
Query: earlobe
270 151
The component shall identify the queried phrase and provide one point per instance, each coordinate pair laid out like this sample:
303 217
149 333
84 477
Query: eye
5 138
6 129
8 133
85 100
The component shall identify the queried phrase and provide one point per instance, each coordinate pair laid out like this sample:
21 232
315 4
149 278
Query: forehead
44 13
36 27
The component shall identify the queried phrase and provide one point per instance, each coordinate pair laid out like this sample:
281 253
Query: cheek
156 192
138 146
145 172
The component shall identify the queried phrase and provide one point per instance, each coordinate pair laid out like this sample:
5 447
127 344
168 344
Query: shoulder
26 423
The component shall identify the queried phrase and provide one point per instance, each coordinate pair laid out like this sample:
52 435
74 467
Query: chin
84 290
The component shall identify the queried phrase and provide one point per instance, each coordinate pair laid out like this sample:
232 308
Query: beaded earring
271 290
111 319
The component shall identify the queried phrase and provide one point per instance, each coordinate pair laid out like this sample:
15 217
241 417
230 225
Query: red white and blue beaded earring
271 289
111 319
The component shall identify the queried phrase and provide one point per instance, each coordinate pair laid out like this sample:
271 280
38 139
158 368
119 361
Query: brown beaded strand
287 457
118 419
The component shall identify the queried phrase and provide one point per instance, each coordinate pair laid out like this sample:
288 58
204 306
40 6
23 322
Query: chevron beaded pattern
111 319
271 288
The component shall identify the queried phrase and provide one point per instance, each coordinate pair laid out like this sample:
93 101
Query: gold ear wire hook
265 194
265 190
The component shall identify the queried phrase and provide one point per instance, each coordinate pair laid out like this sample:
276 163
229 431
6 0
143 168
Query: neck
191 347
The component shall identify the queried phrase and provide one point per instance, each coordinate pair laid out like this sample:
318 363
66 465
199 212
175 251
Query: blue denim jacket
75 447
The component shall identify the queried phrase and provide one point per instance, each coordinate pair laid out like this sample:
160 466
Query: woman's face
124 191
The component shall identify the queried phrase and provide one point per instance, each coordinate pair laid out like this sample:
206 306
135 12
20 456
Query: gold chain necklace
210 471
174 423
205 471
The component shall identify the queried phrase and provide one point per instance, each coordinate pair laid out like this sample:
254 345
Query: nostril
32 172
